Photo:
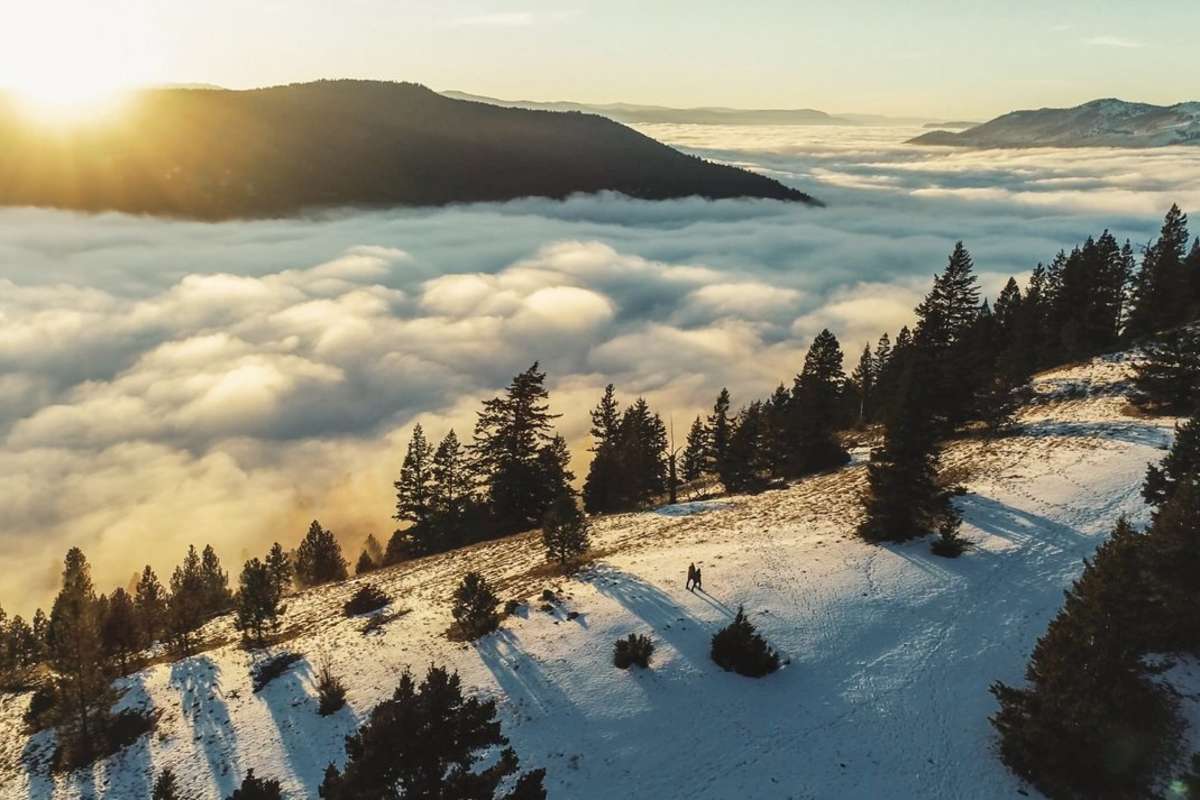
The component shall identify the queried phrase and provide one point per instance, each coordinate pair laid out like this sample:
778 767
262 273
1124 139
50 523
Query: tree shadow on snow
1150 435
128 773
308 739
525 683
35 760
202 704
1019 527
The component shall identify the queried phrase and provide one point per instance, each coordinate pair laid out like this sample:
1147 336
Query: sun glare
53 99
71 61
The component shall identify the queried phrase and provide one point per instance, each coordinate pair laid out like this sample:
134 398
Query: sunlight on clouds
166 382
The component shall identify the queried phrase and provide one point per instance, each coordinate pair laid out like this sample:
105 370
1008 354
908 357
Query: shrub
331 692
111 735
254 788
738 647
269 669
475 606
368 598
634 649
949 544
1188 784
165 787
564 531
512 607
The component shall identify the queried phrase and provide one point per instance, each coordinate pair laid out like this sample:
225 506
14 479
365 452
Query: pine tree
512 433
640 457
554 473
1182 463
150 603
695 454
904 500
77 657
319 557
1168 379
186 610
602 484
217 597
1173 562
944 320
373 548
862 381
256 605
816 409
453 501
718 430
1162 287
564 531
745 467
474 606
364 564
279 566
1088 697
165 786
385 760
739 648
776 430
119 630
415 487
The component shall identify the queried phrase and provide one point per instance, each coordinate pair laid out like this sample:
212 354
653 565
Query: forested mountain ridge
1100 123
217 154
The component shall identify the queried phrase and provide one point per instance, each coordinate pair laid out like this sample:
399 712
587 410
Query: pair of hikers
693 579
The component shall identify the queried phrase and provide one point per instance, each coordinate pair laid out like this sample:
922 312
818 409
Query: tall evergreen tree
862 381
319 557
904 500
944 320
217 597
77 656
415 487
512 434
602 484
119 630
453 493
279 566
186 610
695 454
150 604
256 604
719 429
817 409
1161 288
745 467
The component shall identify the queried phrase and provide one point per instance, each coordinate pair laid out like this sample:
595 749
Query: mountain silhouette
216 154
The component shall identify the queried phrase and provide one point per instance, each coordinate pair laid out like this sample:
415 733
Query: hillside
890 650
277 151
1100 123
634 114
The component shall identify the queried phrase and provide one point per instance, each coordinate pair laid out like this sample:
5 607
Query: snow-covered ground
889 650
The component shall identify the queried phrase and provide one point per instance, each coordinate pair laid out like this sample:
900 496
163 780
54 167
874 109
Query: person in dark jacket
691 579
697 583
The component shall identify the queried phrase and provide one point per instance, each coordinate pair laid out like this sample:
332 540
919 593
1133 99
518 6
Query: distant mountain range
954 125
276 151
1100 123
633 114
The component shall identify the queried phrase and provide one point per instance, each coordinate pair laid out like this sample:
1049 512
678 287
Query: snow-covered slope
1100 123
890 650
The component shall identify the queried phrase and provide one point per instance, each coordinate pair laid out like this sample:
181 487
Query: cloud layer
165 382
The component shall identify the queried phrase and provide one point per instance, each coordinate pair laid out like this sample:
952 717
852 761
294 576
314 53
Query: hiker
691 579
696 582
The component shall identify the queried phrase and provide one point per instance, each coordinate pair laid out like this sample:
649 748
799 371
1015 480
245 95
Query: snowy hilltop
887 651
1100 123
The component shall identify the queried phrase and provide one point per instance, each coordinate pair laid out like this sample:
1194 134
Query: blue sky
935 58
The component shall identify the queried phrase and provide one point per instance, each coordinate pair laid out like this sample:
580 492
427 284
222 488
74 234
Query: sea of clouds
170 382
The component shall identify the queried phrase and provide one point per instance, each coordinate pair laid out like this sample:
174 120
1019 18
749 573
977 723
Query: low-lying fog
165 382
